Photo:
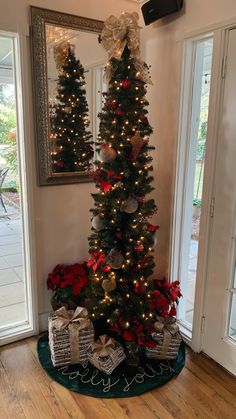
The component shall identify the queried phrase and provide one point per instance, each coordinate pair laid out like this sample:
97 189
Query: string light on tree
125 298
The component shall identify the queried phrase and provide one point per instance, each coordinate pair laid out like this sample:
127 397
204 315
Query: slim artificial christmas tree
122 239
72 149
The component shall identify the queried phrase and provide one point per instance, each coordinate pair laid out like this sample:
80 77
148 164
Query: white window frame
24 329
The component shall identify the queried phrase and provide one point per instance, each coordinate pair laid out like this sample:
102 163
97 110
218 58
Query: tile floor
12 289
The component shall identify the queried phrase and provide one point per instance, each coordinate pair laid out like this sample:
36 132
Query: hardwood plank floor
202 390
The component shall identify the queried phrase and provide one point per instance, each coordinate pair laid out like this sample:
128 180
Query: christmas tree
72 149
123 237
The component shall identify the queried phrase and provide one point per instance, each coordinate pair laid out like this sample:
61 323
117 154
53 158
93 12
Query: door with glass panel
17 319
219 338
191 174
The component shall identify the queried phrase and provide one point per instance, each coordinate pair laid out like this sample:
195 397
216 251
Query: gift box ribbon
75 321
169 328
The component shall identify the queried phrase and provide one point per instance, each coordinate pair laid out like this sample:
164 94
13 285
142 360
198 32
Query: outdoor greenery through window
13 307
197 141
8 149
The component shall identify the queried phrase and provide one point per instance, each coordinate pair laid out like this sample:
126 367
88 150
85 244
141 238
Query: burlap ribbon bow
118 33
103 347
169 328
75 321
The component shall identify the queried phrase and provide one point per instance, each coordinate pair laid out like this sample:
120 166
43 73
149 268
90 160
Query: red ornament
144 120
118 235
130 337
139 288
119 112
140 199
59 163
151 227
106 268
139 248
125 84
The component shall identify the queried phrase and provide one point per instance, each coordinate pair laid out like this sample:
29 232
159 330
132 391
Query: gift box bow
68 317
168 327
104 346
75 321
166 324
118 33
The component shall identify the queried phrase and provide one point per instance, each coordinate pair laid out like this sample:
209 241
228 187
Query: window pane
232 324
195 175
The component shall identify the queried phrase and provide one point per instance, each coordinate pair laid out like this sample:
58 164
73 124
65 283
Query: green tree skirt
123 382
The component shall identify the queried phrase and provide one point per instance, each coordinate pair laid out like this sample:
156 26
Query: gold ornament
107 154
108 285
68 109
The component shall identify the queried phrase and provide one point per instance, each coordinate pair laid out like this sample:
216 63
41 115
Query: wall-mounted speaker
156 9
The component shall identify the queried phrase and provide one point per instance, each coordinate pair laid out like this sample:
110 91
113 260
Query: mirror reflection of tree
72 149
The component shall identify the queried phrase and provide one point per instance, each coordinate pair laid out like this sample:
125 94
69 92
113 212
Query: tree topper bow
118 33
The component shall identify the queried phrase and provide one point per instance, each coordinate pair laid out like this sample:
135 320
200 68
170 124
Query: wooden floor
202 390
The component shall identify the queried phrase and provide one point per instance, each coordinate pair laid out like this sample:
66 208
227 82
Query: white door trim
25 148
194 338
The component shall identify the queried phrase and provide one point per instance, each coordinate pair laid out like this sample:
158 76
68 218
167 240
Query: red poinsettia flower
66 280
161 302
172 311
76 289
52 282
78 269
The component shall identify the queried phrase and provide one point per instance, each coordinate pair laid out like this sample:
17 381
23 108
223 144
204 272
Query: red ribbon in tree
96 260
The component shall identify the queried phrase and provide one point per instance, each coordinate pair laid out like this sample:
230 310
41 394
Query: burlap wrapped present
167 338
106 354
71 334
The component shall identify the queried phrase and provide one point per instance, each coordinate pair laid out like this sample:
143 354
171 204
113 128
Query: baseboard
43 322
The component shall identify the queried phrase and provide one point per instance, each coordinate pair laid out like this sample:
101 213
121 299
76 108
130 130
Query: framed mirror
67 62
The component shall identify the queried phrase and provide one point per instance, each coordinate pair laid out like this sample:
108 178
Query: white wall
62 218
162 49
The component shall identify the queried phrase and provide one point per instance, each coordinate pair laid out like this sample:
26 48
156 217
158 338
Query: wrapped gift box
167 338
71 335
106 354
